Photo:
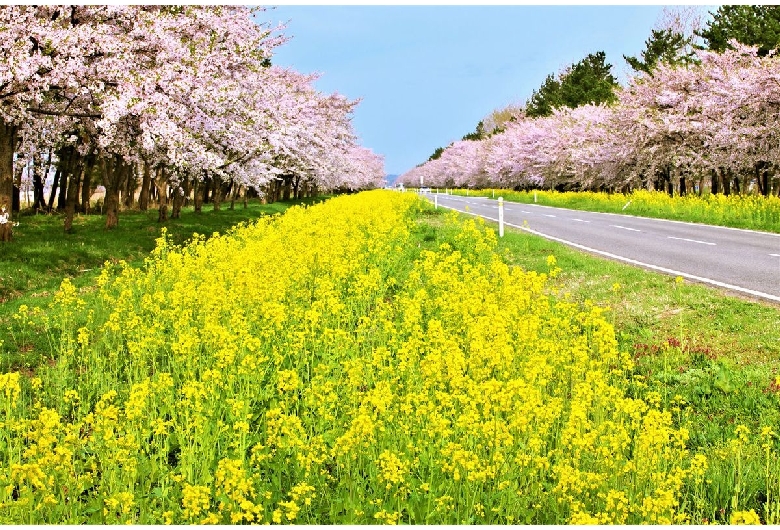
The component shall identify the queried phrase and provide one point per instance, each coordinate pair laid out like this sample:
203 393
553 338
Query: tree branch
69 114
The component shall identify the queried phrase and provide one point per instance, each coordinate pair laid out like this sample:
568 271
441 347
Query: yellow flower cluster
333 366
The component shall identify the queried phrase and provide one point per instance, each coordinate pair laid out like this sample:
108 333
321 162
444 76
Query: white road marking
641 264
548 215
523 211
692 240
581 220
775 255
626 228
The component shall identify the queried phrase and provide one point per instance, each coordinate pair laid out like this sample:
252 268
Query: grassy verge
737 211
33 266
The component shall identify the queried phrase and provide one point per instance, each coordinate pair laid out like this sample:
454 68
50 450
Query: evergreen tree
757 25
478 134
588 81
436 154
663 46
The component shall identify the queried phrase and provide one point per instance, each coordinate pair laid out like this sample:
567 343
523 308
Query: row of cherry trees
171 97
713 122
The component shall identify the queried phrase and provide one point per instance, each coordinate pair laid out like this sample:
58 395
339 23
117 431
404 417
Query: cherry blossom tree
670 127
186 93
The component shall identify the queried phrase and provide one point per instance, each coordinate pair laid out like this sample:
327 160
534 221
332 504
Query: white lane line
641 264
626 228
692 240
523 211
775 255
548 215
581 220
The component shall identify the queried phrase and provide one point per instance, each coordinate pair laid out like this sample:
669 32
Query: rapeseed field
338 365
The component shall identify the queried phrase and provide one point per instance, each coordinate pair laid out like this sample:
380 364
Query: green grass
41 255
752 212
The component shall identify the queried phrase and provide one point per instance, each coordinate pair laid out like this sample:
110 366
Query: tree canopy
715 117
753 25
663 45
587 81
189 91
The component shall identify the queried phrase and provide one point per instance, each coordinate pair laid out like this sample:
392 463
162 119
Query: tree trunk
184 197
161 182
714 189
217 194
53 193
47 170
287 187
198 185
757 170
206 189
765 177
38 202
178 199
187 187
726 182
17 193
296 183
7 135
62 199
131 184
73 171
668 185
114 174
86 191
683 189
143 198
233 191
245 198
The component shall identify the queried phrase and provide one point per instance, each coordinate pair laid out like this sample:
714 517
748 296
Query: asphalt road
739 260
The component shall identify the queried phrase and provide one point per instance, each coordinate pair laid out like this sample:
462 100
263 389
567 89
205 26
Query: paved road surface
741 260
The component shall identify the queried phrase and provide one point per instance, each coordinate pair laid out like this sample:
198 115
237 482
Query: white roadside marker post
534 196
500 217
435 202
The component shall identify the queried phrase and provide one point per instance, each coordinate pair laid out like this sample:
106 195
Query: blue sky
427 74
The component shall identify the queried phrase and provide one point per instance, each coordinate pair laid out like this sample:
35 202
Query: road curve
739 260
